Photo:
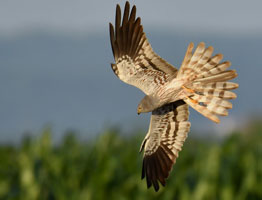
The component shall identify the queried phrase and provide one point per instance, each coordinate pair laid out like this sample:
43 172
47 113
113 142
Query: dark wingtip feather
133 14
112 37
125 28
126 12
143 170
148 173
125 37
156 168
118 16
156 186
155 171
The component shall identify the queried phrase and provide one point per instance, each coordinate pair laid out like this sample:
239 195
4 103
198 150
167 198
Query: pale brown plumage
201 82
167 132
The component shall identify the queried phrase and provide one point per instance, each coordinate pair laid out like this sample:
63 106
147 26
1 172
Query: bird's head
147 104
139 109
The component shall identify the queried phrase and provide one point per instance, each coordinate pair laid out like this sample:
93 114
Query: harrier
201 82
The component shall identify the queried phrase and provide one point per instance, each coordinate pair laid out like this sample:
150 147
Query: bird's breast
170 90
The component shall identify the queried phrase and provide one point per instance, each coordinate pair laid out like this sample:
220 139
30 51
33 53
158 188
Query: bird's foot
188 89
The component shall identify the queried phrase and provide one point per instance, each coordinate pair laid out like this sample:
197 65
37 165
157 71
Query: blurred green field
109 167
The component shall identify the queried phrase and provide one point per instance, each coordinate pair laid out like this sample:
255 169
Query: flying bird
201 82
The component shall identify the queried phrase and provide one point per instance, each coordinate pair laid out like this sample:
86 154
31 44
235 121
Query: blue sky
230 17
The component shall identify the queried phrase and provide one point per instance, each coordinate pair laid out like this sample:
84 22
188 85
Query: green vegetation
109 167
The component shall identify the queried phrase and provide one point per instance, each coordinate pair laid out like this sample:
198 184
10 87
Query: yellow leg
188 90
192 100
186 95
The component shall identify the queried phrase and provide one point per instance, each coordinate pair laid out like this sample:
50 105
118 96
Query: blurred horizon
61 81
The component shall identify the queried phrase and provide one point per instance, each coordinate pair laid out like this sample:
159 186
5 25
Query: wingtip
111 27
117 6
138 20
133 14
156 186
127 4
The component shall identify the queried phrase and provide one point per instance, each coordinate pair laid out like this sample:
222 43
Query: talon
188 90
193 101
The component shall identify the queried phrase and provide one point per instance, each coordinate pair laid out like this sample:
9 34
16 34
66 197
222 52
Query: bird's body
200 82
170 91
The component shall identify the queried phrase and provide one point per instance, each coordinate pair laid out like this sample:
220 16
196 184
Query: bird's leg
186 95
188 89
192 100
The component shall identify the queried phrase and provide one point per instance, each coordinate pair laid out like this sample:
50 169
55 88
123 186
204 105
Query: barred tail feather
207 76
212 100
203 110
197 55
223 76
217 85
219 110
223 94
215 70
209 109
186 60
200 66
212 62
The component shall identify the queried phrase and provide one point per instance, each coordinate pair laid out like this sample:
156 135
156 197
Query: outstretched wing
136 62
168 130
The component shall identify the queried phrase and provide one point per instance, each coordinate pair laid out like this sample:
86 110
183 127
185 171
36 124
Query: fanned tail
207 89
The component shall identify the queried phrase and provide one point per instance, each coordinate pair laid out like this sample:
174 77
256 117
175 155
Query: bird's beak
138 110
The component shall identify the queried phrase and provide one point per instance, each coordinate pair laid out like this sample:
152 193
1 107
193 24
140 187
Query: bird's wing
168 130
136 62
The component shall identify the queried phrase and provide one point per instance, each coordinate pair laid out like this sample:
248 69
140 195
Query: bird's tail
207 88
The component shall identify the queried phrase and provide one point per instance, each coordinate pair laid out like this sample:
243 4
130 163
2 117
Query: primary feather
136 62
